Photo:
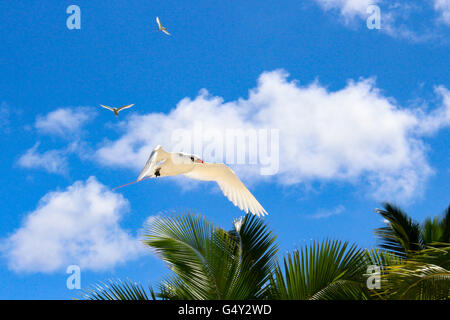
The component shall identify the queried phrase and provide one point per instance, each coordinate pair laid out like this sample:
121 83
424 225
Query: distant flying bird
161 28
163 164
116 110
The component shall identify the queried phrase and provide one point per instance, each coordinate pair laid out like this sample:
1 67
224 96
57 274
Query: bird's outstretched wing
231 186
165 31
125 107
106 107
159 23
157 155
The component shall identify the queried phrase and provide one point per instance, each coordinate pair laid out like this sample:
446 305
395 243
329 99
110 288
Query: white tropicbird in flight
116 110
161 28
162 164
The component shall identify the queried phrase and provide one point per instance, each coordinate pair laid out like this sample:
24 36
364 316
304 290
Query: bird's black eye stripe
192 158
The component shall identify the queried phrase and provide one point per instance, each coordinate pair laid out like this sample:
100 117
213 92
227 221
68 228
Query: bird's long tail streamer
127 184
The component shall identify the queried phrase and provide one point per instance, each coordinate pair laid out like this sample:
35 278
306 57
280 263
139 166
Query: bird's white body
161 28
162 164
117 110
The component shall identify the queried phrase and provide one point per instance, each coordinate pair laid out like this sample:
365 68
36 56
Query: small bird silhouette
161 28
116 110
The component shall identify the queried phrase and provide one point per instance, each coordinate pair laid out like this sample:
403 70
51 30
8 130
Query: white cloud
53 161
64 120
348 8
398 19
443 7
79 225
353 134
322 214
56 160
438 118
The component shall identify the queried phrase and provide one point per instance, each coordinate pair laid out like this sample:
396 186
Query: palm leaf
118 290
186 244
329 270
343 290
381 258
401 235
445 226
210 263
432 230
255 254
417 281
424 275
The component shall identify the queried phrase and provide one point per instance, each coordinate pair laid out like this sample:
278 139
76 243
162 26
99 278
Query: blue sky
363 117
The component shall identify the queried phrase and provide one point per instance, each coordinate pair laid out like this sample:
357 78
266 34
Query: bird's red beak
199 161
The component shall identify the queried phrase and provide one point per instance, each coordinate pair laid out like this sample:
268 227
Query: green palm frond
401 235
343 290
173 288
424 275
445 225
381 258
209 262
432 230
189 244
437 229
437 253
329 270
417 281
440 228
256 250
118 290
